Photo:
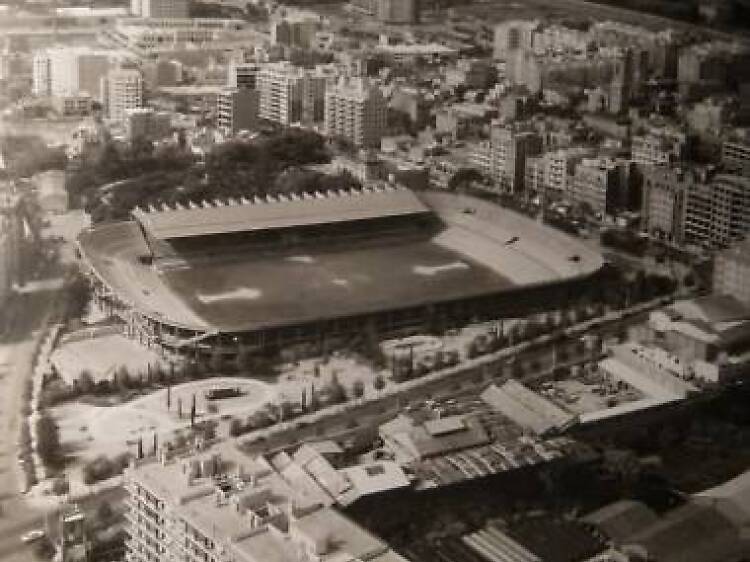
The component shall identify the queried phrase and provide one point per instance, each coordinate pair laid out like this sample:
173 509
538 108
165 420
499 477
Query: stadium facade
317 269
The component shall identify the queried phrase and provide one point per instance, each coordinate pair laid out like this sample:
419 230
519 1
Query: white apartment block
229 507
291 94
551 173
160 8
357 112
121 91
658 149
71 71
735 155
717 213
732 272
41 74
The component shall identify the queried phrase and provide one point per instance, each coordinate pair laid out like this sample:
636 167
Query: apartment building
503 157
732 272
121 91
73 105
356 110
295 29
160 8
735 156
78 70
227 507
659 148
717 213
550 174
513 35
596 184
663 202
243 75
238 109
398 11
709 67
41 75
291 94
71 71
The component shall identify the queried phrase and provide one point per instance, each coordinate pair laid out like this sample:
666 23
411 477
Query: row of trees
331 394
49 447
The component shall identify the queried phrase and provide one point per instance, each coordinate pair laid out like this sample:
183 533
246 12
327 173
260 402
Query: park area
114 399
89 430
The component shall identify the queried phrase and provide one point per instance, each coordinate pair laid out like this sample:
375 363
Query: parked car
32 536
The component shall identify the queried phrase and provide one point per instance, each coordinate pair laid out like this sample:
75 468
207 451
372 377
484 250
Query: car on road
32 536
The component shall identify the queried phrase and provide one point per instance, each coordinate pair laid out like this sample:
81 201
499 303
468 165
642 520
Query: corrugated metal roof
525 407
622 519
279 212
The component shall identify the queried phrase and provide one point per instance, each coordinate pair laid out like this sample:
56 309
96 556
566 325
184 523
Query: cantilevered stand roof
275 212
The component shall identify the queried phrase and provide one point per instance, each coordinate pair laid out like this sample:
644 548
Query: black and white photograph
374 280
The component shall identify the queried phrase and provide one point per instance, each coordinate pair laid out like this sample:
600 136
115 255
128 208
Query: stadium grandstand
312 269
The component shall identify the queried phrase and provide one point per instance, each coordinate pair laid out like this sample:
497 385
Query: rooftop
414 440
691 533
256 510
622 519
526 408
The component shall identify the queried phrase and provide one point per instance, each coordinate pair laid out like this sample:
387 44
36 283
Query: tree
207 428
104 514
85 382
217 362
242 361
335 391
79 295
358 389
378 383
60 486
48 441
236 428
122 378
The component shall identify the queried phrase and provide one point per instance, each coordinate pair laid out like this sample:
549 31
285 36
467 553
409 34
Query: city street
16 353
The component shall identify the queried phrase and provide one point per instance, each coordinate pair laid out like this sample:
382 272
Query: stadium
311 269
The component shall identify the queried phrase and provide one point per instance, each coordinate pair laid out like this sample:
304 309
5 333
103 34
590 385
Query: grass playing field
312 283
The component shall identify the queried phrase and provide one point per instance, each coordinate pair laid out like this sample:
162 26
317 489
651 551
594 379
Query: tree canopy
27 155
117 181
